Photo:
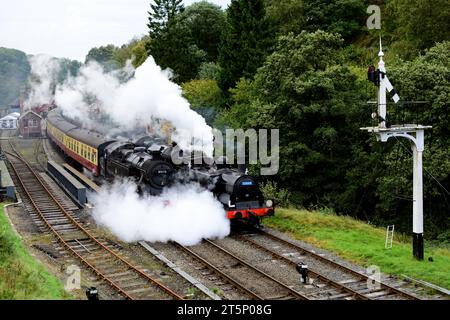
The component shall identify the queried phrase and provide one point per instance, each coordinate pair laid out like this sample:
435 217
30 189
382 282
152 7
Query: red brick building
30 125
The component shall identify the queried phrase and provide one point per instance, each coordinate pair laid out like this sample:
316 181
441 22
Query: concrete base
418 246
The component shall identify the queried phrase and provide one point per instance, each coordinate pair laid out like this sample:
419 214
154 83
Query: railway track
121 275
253 282
354 283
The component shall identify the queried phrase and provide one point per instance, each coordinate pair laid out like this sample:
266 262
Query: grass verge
363 244
21 276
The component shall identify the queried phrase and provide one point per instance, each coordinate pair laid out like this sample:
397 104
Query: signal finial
381 62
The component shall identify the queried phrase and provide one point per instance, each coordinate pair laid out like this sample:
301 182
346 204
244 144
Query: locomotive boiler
151 168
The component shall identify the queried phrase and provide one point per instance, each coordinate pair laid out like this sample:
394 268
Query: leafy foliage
418 24
246 41
303 91
346 17
206 22
103 55
14 71
281 196
161 14
135 51
209 70
204 96
287 15
174 46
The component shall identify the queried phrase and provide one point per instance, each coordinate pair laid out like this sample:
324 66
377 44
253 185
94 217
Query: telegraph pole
415 133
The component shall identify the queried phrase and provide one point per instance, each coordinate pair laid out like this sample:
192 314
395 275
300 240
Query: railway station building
30 125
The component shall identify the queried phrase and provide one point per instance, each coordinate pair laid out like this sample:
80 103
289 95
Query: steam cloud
184 213
134 101
125 100
43 77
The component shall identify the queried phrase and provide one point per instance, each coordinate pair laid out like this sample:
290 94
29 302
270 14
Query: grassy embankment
21 276
363 244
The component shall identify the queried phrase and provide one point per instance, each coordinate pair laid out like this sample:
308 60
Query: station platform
81 178
7 188
74 188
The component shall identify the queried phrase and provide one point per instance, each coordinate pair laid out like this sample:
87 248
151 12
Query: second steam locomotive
149 161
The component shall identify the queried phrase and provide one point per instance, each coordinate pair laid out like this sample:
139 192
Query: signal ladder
389 237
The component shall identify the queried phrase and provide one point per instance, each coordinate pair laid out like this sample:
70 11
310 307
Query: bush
209 71
280 196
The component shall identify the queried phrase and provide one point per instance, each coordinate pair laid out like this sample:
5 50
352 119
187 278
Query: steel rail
80 227
335 264
290 290
316 274
220 272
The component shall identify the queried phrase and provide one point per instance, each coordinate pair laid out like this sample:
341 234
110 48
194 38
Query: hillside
14 72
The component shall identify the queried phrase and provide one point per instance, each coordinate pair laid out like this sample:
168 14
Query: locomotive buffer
415 133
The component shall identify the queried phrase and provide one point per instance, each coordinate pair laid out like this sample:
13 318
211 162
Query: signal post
415 133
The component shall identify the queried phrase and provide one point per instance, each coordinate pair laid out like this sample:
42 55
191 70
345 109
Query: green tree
67 68
287 15
246 41
14 72
135 51
205 97
206 21
172 46
161 13
345 17
304 91
103 55
418 24
175 49
209 71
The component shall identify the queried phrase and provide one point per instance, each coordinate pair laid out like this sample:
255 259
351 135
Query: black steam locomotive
150 162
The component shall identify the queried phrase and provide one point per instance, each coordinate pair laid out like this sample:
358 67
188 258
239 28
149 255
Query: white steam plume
185 214
134 103
43 77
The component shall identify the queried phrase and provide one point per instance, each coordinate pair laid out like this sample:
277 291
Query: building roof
11 116
28 112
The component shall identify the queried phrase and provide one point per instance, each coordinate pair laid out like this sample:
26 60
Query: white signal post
382 102
415 133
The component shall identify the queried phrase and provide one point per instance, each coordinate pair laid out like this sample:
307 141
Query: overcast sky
69 28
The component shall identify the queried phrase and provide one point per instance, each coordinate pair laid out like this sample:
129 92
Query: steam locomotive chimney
242 168
242 164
